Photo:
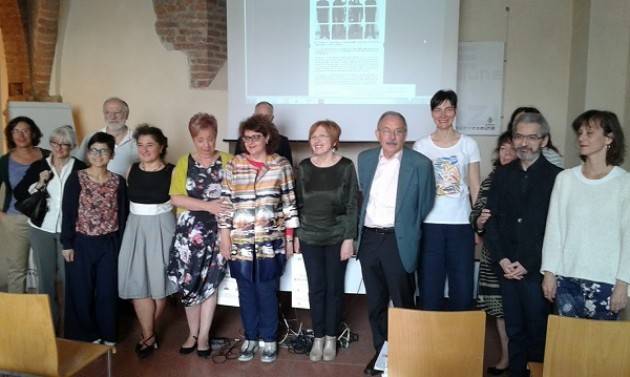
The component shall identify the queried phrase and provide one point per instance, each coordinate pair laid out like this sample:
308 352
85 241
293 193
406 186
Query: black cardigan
70 209
4 177
519 201
32 176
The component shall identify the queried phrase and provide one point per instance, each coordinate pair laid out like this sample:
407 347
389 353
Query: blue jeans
581 298
259 308
448 250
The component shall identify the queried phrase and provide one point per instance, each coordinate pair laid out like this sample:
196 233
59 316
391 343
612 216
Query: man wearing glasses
398 188
115 114
518 200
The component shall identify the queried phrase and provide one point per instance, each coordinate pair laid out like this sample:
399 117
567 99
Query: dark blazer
414 199
4 177
32 176
284 148
519 202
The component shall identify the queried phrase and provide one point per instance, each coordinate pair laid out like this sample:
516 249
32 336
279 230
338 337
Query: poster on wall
480 88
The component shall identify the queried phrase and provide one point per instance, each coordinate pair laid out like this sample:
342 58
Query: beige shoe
316 351
330 348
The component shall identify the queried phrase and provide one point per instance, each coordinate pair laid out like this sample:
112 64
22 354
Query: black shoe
144 350
369 368
496 371
204 353
187 350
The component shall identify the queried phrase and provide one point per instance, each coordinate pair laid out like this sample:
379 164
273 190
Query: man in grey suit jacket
398 189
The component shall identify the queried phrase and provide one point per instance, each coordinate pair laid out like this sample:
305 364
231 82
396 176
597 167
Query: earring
608 147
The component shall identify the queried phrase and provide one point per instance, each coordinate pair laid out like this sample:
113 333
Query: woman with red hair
195 263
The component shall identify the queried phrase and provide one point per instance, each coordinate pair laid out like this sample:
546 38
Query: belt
379 230
150 209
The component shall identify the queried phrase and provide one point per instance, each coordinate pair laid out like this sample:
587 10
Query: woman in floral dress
195 264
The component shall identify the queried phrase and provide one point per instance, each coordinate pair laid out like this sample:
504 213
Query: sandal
144 349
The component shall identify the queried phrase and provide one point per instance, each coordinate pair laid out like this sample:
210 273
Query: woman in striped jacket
257 236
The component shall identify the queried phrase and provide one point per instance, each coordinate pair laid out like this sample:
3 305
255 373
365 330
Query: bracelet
289 240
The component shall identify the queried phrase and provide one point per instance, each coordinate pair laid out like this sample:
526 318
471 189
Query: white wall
608 70
111 48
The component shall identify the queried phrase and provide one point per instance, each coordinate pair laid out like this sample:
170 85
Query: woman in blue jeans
448 241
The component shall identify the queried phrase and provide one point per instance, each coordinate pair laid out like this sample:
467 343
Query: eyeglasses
254 138
99 152
397 132
55 144
446 110
23 131
529 138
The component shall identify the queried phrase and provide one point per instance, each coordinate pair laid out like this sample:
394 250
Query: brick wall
16 50
29 31
43 22
199 29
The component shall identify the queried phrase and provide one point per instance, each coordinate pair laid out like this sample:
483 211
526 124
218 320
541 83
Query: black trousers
385 279
91 289
326 278
526 312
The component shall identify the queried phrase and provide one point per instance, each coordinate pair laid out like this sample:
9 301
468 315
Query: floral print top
98 205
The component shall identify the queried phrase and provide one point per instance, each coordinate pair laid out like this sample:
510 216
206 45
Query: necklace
144 167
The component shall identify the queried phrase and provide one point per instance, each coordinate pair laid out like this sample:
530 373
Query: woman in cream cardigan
586 251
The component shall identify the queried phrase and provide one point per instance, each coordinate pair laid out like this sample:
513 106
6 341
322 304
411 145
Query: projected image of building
323 18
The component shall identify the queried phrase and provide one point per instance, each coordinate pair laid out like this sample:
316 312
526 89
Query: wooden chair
579 347
435 344
28 344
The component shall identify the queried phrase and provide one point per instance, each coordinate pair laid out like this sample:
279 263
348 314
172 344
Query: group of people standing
110 229
554 241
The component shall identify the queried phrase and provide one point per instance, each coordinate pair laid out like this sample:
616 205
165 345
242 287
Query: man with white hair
115 114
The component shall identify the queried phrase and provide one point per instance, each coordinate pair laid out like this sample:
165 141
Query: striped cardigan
264 206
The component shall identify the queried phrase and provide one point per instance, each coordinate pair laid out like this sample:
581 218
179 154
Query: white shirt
450 166
52 220
125 153
588 227
381 208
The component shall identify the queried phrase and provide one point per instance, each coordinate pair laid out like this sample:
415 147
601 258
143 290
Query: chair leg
109 363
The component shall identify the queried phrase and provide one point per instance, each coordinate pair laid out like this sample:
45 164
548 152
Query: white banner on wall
480 87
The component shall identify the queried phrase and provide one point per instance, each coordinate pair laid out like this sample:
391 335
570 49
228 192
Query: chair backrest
27 338
582 347
435 344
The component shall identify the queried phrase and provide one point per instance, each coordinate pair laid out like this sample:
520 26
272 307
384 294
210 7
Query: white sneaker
269 353
248 350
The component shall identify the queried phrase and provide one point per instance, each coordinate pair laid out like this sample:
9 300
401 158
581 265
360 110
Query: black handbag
35 206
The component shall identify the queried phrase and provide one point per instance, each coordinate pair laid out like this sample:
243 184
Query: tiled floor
168 362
